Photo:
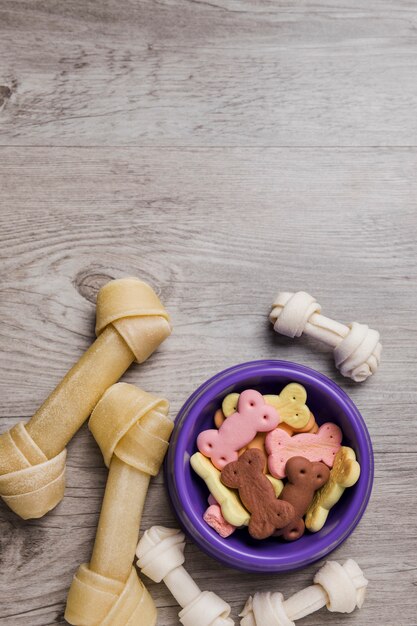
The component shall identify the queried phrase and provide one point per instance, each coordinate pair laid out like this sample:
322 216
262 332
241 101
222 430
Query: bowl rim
175 480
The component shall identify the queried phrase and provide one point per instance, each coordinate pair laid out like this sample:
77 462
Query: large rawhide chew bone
132 430
339 587
131 323
357 351
160 557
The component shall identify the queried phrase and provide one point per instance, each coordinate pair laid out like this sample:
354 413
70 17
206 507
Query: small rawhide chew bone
160 555
304 478
357 350
253 415
131 323
257 494
320 446
344 473
341 588
132 429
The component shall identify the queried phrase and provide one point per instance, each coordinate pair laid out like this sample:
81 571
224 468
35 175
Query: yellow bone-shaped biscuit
229 404
232 509
290 404
344 473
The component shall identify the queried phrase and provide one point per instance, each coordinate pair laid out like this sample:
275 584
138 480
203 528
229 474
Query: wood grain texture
221 150
217 233
197 72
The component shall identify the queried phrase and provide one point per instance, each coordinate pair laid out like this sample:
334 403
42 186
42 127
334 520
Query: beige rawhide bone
131 323
132 429
160 557
341 588
357 350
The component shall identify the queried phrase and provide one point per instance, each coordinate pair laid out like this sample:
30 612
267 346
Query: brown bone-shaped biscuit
304 478
257 494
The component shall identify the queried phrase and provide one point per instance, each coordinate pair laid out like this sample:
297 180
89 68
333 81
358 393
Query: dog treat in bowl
257 433
191 476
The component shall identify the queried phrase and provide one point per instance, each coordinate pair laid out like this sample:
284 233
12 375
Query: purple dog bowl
189 493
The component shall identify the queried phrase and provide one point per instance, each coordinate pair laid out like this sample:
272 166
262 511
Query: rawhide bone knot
357 350
253 415
304 478
160 555
257 494
131 323
132 429
341 588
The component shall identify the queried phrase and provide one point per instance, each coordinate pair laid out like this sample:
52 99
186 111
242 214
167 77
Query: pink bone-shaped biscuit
253 415
320 446
214 518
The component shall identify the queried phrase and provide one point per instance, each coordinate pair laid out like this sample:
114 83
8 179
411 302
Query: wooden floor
221 150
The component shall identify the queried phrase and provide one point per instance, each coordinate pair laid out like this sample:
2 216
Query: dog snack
310 427
243 498
131 323
229 404
219 418
132 430
304 478
341 588
253 416
214 518
320 446
257 494
258 443
160 555
290 404
232 509
344 473
357 350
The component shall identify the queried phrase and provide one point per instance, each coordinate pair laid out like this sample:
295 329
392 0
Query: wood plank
217 232
191 72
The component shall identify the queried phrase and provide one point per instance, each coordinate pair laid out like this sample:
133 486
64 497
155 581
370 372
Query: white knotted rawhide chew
132 429
131 323
357 350
341 588
160 555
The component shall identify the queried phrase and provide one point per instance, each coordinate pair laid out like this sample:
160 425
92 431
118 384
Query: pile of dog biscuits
269 466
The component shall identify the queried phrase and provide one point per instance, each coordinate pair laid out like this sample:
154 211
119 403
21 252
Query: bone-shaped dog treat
233 511
341 588
357 350
132 430
344 473
131 323
160 555
213 516
253 415
310 427
304 478
257 494
320 446
290 404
